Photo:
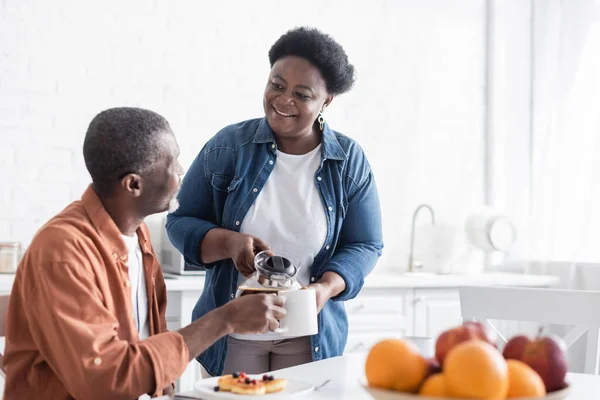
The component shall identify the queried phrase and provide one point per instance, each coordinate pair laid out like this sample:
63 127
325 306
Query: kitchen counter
379 280
178 284
428 280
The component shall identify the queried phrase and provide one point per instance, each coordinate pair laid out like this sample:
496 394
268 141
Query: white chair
3 311
548 306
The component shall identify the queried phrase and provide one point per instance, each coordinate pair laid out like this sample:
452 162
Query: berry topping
265 377
216 388
236 374
247 381
254 381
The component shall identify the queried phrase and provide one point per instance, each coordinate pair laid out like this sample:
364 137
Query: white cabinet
435 310
179 314
376 314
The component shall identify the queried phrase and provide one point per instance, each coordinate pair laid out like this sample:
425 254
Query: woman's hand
330 285
242 248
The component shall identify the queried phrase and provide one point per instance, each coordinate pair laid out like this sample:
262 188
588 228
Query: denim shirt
223 182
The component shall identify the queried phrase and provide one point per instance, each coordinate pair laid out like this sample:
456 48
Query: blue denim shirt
219 189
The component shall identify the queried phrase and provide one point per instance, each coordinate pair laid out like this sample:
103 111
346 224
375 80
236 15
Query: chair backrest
549 306
3 311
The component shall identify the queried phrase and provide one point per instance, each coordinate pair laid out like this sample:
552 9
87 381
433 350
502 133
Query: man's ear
132 184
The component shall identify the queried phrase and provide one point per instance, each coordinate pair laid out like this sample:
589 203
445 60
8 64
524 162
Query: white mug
425 345
301 317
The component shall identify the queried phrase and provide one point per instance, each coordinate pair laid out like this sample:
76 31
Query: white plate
293 389
382 394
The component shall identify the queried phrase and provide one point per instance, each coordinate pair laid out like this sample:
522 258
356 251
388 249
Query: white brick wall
417 106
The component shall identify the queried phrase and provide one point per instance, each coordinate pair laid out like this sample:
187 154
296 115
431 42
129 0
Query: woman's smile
281 113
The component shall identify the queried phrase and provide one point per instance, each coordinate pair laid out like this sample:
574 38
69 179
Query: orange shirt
70 326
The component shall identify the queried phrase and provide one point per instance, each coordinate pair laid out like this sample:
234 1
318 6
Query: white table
347 374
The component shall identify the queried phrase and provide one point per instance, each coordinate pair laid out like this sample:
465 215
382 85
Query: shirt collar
106 227
332 150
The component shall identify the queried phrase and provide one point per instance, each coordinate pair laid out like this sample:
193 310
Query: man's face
161 184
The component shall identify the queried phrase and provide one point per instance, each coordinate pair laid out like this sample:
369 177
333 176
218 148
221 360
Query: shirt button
97 361
317 349
271 162
312 279
319 178
127 283
273 146
232 295
330 208
237 223
327 247
255 190
115 256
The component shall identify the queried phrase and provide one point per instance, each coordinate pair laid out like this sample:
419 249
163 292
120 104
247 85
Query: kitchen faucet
411 261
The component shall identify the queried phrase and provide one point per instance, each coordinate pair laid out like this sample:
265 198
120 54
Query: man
86 317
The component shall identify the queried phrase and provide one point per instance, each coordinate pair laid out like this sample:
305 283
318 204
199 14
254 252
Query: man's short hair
120 141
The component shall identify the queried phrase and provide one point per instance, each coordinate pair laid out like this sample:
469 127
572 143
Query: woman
287 182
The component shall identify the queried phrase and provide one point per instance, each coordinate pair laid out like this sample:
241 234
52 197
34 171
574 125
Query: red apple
546 355
484 332
515 347
450 338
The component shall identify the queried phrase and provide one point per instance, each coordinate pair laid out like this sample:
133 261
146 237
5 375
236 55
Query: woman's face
295 94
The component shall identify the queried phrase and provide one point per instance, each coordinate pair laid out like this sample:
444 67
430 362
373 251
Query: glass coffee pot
274 273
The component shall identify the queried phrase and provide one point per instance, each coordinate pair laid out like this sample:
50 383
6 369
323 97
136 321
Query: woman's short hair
322 51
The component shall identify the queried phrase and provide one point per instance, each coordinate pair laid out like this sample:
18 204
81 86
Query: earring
321 121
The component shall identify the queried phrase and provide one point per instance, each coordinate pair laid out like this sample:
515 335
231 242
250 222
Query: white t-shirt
289 215
139 296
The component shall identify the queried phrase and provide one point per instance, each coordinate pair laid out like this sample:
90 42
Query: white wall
417 107
510 117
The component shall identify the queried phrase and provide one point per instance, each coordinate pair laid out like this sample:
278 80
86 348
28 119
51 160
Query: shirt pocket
224 183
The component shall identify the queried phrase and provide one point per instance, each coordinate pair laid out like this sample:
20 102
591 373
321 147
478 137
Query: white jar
9 257
490 230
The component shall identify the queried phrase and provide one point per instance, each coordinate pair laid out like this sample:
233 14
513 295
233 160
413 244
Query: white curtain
565 197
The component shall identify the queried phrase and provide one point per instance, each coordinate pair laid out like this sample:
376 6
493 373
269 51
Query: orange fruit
395 364
476 369
523 381
434 386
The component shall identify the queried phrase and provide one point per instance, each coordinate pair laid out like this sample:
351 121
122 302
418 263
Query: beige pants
256 357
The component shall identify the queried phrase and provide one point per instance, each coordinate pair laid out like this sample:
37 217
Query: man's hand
242 248
254 313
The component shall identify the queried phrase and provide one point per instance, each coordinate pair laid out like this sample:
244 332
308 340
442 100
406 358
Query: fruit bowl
467 363
381 394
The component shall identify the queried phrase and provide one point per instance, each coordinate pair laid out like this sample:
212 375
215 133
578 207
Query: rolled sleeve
78 337
166 366
360 243
187 226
